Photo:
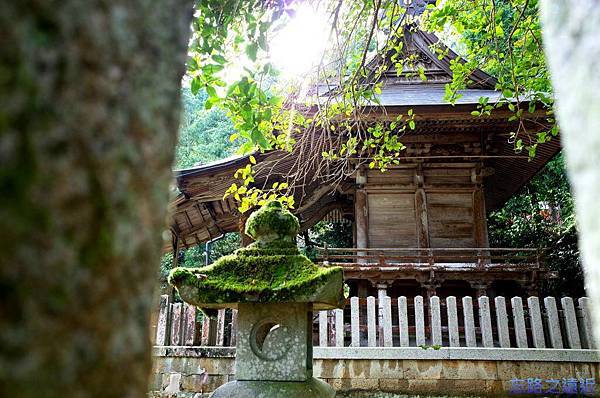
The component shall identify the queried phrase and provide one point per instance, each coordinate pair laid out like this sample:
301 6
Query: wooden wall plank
392 220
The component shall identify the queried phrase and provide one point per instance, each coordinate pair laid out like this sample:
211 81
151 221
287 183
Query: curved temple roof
200 214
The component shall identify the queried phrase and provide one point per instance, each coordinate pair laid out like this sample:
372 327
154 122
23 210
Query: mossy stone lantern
275 289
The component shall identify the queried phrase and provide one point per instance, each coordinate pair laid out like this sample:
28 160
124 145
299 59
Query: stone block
495 388
393 385
331 369
387 369
424 387
212 366
422 369
469 370
202 383
546 370
272 342
508 370
585 370
359 384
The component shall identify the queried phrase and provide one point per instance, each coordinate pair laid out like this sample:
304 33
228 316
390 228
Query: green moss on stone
270 270
272 225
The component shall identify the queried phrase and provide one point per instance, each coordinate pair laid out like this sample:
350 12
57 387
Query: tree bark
89 110
571 33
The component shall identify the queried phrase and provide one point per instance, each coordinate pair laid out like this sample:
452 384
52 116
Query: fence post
453 336
162 327
387 322
470 337
419 321
323 329
371 328
220 327
553 322
339 327
570 322
586 323
355 322
403 321
519 321
176 324
537 325
189 321
233 339
502 322
436 321
485 321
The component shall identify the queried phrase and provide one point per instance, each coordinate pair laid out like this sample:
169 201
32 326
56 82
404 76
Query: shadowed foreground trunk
572 41
89 109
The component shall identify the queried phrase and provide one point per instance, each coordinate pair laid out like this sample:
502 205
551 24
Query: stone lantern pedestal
274 353
275 290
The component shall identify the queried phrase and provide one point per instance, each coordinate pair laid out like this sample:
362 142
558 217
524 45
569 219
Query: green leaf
251 50
196 85
219 59
210 90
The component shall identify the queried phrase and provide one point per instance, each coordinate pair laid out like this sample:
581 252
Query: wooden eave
199 212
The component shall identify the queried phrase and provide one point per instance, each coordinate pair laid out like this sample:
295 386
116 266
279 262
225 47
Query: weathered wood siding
392 220
434 205
450 216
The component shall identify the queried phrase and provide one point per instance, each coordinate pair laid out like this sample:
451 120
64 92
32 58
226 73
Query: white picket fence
409 322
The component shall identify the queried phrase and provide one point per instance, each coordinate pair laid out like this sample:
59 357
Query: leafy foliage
542 216
203 134
503 38
332 234
230 59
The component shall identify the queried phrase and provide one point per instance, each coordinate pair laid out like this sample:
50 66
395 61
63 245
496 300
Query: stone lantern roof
270 270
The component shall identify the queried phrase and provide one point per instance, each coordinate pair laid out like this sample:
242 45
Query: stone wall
188 372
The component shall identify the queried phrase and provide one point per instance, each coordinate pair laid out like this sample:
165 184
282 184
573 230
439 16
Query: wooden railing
409 322
432 257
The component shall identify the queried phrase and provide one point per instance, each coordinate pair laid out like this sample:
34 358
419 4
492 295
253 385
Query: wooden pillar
479 218
362 221
422 221
431 288
481 287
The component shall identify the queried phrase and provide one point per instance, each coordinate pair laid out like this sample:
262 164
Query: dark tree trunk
89 109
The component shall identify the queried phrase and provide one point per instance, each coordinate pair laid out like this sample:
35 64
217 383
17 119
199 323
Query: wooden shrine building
420 227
